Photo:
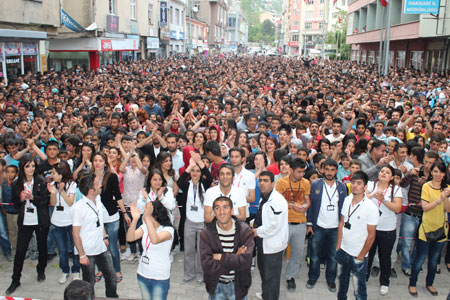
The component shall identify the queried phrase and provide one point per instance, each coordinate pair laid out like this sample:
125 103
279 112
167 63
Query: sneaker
384 290
375 271
259 296
407 272
41 277
393 273
125 254
63 278
199 282
291 285
76 276
132 258
253 264
331 286
310 284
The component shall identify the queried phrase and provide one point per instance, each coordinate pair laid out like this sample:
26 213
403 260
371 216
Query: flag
340 20
384 2
334 2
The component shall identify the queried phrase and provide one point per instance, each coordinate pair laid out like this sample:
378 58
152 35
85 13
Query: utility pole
238 4
388 37
189 29
380 52
323 40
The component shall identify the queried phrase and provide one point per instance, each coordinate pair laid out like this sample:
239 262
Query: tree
268 28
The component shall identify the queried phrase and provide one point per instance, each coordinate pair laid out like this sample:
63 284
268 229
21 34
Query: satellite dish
195 9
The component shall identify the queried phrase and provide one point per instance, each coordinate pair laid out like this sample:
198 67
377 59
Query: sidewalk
128 288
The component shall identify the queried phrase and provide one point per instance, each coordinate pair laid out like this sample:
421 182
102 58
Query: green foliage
338 37
268 28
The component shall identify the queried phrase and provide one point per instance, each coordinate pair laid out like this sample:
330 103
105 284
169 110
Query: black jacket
41 199
206 180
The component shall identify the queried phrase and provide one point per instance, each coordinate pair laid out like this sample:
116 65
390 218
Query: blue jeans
424 249
152 289
63 243
112 229
408 232
348 266
323 240
4 236
51 245
224 292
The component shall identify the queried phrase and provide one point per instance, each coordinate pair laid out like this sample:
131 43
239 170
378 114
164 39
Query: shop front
19 52
90 53
153 47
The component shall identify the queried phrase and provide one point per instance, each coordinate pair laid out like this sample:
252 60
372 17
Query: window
112 7
150 13
322 1
308 25
177 16
133 9
295 23
309 14
321 13
320 25
295 37
231 22
172 17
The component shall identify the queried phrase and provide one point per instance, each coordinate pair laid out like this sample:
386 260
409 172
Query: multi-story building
236 30
314 30
214 13
197 38
294 27
419 41
177 21
24 28
111 30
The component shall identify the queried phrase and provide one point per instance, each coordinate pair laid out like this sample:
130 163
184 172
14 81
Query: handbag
435 236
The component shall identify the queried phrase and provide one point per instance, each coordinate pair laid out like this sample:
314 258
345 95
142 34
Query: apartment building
24 27
214 13
419 41
236 31
197 39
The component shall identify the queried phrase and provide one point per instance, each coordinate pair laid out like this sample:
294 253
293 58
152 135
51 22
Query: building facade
214 13
417 41
236 31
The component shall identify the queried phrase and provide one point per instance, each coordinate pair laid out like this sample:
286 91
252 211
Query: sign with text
119 45
421 7
29 48
12 49
163 14
112 23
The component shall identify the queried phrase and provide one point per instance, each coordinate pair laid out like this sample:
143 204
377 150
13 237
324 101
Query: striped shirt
227 240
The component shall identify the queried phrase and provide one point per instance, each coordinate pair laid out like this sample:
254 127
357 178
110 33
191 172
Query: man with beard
327 197
375 159
172 147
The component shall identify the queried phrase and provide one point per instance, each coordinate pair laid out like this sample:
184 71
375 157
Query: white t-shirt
85 214
63 218
155 259
362 214
329 209
246 181
237 195
388 219
30 217
332 139
194 207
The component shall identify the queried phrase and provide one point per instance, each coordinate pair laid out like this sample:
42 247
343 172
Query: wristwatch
106 237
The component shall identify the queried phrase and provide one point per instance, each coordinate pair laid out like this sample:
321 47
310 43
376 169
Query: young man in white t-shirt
89 235
356 233
243 178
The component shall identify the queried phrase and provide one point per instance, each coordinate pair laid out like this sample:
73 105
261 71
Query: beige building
214 13
24 27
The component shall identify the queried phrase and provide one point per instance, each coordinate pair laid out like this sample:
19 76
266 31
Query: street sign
421 7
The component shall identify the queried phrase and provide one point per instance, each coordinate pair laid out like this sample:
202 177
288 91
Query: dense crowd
238 162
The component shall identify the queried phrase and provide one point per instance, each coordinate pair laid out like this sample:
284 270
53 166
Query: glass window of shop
416 60
68 60
401 59
30 58
109 57
13 66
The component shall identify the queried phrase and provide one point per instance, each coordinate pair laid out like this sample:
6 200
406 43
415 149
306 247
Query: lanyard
152 197
239 183
328 195
195 192
147 245
351 214
384 196
295 197
96 213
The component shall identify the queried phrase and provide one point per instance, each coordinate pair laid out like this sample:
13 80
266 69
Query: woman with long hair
283 138
271 145
194 182
31 198
156 234
214 133
243 139
85 161
388 198
231 139
156 189
111 199
433 231
114 161
62 195
199 142
164 164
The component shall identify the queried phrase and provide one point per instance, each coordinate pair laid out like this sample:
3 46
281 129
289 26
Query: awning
23 34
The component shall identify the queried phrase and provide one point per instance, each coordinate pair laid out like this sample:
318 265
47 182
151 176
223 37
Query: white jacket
275 226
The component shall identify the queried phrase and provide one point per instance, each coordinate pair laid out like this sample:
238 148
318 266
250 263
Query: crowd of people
236 161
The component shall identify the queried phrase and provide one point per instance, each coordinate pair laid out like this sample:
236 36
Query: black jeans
104 262
23 240
384 241
269 266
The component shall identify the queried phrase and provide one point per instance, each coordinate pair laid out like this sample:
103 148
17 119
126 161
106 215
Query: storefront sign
293 44
12 49
421 7
112 23
173 34
176 35
13 61
119 45
44 63
163 14
29 48
70 23
152 43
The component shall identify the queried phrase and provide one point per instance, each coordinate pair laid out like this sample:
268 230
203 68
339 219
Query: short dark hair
213 147
79 290
330 162
86 183
377 144
238 149
51 143
227 166
360 175
418 152
279 153
223 198
173 135
268 173
297 163
400 145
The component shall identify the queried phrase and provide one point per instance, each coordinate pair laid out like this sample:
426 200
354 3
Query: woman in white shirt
156 233
388 198
156 189
195 180
62 194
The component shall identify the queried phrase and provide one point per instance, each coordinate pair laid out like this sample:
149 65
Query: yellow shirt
434 218
294 192
410 135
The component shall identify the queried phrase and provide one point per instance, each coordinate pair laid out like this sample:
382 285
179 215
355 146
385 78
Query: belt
295 223
226 282
412 215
